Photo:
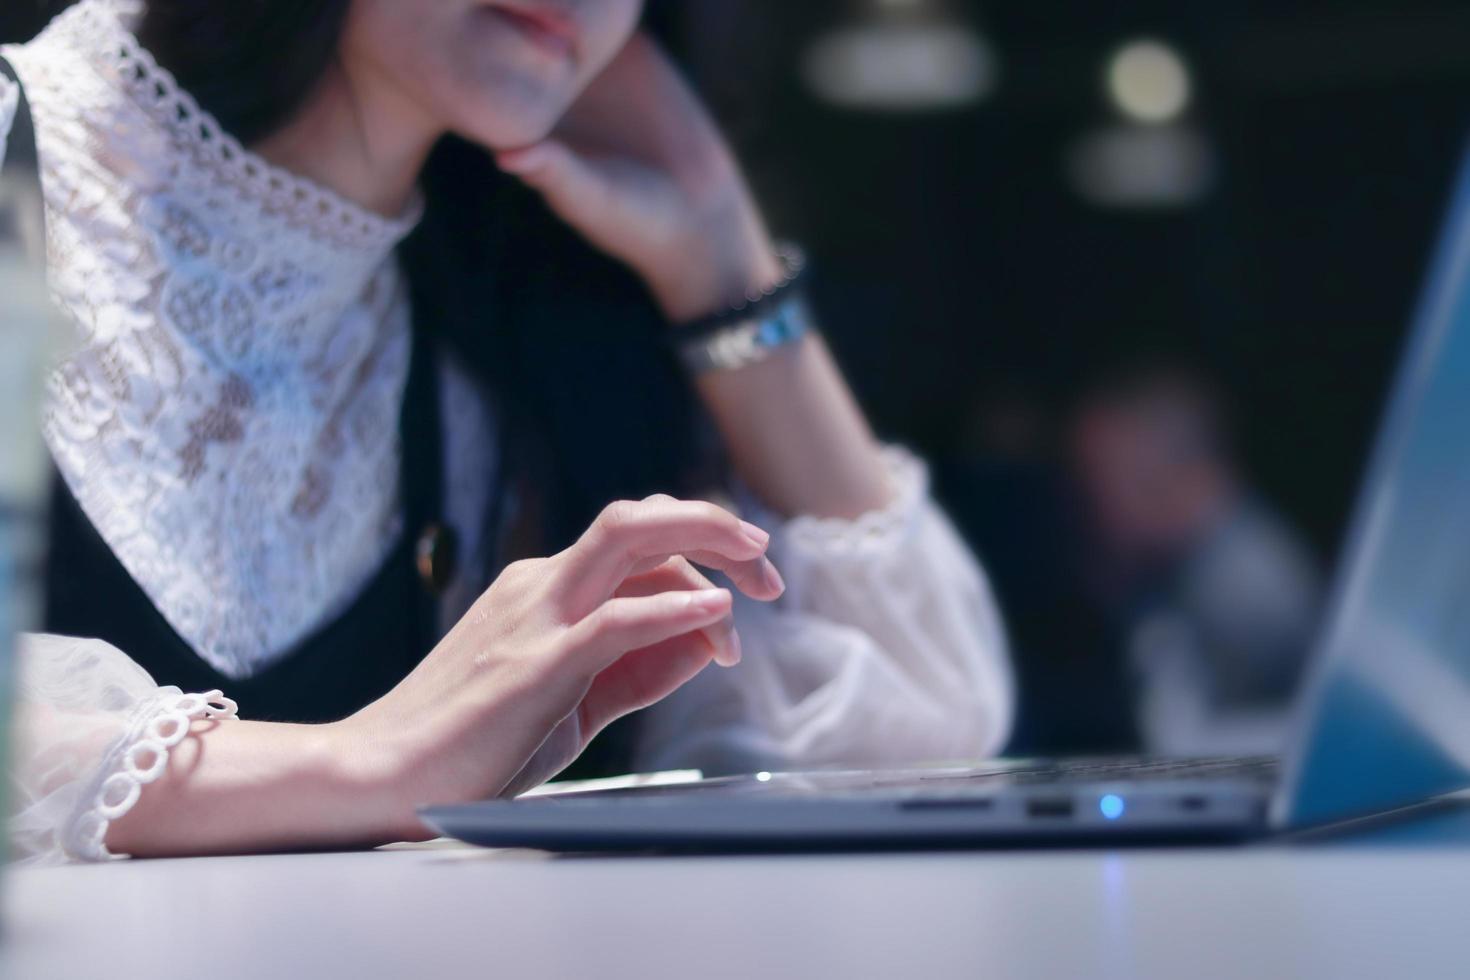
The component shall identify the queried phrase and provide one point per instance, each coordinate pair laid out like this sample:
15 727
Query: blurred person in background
375 297
1215 596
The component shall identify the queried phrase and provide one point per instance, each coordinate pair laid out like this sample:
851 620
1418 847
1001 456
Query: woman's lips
553 31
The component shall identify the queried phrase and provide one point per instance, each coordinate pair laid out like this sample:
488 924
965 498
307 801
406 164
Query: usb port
1049 807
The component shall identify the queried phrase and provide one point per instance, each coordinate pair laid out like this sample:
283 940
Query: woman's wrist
398 754
253 786
718 271
357 781
382 769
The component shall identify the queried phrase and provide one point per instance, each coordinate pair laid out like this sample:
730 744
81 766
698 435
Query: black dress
592 408
345 665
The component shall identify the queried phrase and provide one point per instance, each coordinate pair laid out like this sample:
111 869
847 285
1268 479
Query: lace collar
229 421
102 30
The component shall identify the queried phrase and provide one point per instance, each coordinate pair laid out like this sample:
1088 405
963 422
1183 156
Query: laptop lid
1384 720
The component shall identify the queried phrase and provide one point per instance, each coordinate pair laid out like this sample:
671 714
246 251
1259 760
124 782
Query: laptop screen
1385 717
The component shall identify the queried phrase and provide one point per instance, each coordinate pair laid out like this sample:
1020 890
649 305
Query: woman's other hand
639 169
558 648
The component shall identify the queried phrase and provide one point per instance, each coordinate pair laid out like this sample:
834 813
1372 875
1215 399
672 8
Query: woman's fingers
674 574
758 579
571 185
632 535
643 677
632 622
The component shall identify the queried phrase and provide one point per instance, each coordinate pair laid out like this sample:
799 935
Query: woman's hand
639 169
556 649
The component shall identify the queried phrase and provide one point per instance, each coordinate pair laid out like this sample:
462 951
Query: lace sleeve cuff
134 760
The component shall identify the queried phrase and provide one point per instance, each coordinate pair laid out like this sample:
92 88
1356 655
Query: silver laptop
1383 721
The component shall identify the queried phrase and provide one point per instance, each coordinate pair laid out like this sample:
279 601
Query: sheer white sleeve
886 649
91 731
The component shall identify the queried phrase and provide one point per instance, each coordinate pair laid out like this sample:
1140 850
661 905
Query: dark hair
249 63
592 405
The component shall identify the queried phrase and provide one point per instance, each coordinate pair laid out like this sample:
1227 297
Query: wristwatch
755 329
747 341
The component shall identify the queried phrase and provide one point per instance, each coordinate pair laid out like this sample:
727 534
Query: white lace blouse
227 421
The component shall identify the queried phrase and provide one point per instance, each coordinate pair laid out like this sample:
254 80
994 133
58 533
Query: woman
281 417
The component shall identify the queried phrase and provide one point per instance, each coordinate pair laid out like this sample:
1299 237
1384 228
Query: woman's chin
500 138
510 125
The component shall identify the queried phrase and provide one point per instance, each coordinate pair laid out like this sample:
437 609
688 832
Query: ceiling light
901 55
1148 81
1131 166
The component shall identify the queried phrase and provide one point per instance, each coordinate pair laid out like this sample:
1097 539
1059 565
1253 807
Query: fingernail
707 600
755 534
735 649
772 576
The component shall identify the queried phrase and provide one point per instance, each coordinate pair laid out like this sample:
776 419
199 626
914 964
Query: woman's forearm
796 435
236 786
508 698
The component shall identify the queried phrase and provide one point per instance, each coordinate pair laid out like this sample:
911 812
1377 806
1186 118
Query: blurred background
1133 276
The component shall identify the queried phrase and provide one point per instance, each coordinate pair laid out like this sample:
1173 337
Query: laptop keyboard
1253 768
954 782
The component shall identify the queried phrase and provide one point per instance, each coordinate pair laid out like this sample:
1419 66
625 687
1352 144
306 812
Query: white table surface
1392 903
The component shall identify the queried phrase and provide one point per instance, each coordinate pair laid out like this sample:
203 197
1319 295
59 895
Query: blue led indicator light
1111 806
